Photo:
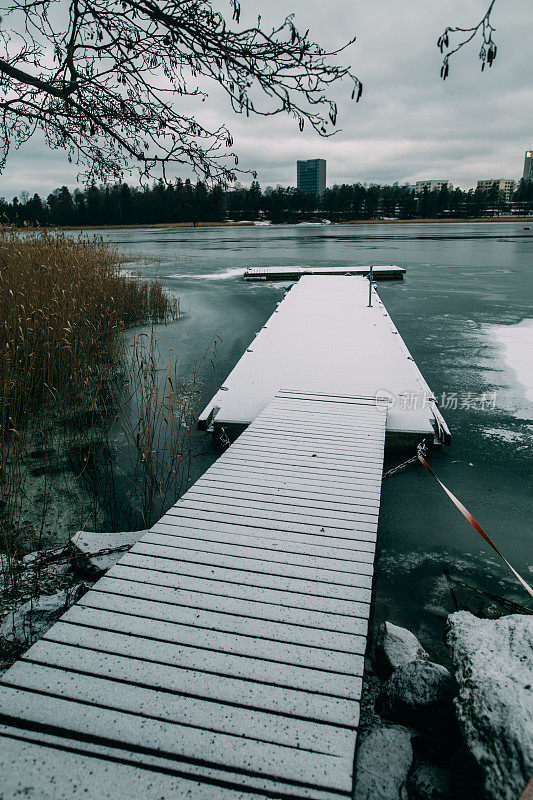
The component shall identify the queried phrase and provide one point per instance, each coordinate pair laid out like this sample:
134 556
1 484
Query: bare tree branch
488 51
107 84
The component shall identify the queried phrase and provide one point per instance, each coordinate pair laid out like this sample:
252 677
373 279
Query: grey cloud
409 124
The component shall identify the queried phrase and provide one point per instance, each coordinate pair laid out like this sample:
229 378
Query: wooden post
370 278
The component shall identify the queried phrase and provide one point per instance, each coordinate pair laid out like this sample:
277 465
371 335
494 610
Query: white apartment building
431 186
505 186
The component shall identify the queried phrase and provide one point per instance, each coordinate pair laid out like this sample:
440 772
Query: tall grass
62 302
65 375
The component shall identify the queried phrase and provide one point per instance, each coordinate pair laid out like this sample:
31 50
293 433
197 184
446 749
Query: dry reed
64 303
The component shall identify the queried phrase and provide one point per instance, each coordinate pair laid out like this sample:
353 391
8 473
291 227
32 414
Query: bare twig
488 51
108 84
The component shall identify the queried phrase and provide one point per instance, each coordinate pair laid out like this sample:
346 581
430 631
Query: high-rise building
528 166
505 186
311 176
430 185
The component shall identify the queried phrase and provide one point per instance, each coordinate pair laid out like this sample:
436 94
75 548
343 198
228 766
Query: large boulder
493 660
31 620
419 694
395 647
382 764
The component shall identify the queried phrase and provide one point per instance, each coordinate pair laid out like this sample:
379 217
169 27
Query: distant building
311 176
528 166
431 186
505 187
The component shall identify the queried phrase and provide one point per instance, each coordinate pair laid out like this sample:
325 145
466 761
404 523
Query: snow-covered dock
222 657
325 339
293 273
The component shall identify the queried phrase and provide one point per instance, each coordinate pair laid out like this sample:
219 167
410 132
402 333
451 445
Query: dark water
463 282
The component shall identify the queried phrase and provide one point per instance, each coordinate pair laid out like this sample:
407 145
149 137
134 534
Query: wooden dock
324 337
293 273
222 657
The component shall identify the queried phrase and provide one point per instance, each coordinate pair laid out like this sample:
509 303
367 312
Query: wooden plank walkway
222 657
289 273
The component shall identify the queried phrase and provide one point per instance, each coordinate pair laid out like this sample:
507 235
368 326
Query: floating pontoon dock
222 657
324 338
291 273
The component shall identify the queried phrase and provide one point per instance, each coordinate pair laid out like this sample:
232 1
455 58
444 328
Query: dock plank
105 634
257 508
105 615
267 545
63 769
224 652
356 576
299 489
239 591
330 641
235 606
163 703
298 556
177 741
280 497
130 667
264 520
208 572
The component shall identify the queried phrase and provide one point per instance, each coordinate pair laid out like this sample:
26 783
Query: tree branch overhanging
114 83
488 51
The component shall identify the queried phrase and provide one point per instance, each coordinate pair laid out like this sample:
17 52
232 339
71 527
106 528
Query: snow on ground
517 342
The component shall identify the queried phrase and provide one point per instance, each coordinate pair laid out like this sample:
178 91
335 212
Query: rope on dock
420 456
464 511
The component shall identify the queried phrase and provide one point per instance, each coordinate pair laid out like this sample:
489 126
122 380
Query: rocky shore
428 734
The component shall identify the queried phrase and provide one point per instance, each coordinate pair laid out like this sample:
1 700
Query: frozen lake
465 311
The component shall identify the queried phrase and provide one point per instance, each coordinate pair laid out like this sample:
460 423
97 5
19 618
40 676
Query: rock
101 551
427 782
30 621
494 669
419 694
382 764
395 646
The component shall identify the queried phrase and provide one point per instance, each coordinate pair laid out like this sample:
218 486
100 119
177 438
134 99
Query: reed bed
68 380
62 302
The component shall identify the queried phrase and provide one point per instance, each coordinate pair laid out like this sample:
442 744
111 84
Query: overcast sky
409 125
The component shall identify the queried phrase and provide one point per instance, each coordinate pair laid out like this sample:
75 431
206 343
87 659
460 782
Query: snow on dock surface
381 272
323 338
222 657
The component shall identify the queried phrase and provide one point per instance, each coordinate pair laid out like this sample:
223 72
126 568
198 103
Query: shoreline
251 223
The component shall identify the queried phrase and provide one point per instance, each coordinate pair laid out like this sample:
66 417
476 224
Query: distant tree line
184 201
